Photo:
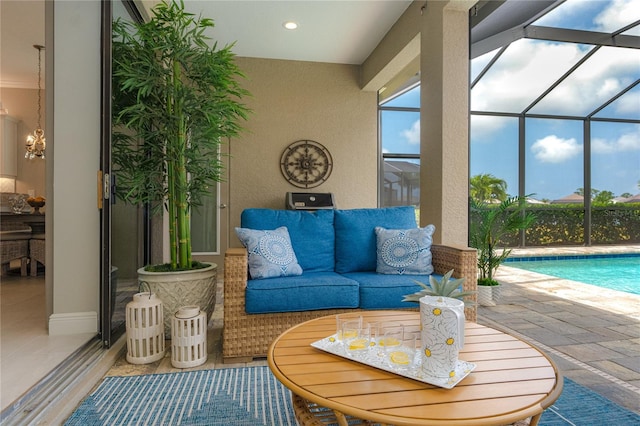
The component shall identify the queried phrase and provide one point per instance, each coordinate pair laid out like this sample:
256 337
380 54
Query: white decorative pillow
404 251
270 253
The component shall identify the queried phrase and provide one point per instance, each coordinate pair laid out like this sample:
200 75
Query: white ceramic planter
489 295
182 288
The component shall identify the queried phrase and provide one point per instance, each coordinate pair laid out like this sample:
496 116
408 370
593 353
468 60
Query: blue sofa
337 252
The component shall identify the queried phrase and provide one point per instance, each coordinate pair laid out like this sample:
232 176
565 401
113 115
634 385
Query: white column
444 122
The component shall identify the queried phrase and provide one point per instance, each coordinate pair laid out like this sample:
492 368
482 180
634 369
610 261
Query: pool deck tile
614 392
616 369
589 352
626 347
631 330
632 363
596 335
591 333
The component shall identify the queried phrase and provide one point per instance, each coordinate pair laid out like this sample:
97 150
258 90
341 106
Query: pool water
615 272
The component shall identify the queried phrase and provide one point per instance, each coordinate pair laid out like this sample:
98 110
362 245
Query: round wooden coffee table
512 380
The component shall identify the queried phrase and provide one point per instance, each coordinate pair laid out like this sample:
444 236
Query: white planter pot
182 288
489 295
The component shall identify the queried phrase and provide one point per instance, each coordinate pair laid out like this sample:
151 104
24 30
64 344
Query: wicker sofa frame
248 336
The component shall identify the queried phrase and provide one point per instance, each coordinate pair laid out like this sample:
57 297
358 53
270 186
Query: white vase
196 287
442 324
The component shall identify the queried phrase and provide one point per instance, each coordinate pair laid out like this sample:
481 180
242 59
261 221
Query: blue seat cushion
311 233
379 291
356 237
306 292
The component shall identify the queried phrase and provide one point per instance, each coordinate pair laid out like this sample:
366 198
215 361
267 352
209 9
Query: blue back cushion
356 237
311 233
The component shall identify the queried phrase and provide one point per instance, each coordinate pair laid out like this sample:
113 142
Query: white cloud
413 134
529 67
617 15
627 105
626 142
483 127
525 70
614 15
552 149
561 13
600 78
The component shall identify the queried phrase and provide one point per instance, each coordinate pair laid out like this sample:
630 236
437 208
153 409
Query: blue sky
554 148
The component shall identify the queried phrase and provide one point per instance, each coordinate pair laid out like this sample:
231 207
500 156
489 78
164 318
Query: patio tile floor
591 333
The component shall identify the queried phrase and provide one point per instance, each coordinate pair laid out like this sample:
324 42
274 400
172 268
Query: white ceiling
21 26
329 31
336 31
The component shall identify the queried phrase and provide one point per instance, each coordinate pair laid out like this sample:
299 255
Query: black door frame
106 182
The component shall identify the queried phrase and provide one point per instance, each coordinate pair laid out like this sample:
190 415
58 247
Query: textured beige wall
444 123
303 100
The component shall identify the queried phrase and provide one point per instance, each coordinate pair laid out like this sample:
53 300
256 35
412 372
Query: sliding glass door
131 238
125 228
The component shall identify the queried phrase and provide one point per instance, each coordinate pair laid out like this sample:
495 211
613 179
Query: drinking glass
399 348
356 338
341 319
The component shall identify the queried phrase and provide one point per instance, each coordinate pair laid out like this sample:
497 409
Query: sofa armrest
464 262
235 282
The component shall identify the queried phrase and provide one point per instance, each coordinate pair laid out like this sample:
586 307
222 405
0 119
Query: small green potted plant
446 287
490 224
176 99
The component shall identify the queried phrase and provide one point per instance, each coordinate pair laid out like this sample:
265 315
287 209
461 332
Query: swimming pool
616 272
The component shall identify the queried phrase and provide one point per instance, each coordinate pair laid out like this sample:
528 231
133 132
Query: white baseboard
73 323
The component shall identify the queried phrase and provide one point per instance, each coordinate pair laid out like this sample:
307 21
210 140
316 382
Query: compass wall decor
306 164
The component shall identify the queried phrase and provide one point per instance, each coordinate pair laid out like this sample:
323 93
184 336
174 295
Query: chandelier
36 142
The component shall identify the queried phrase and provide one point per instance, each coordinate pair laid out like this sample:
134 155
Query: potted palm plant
490 224
176 99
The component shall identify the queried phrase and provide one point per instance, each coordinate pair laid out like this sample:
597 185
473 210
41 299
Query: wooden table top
512 380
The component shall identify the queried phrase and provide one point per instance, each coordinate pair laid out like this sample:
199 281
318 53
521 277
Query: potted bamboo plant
176 99
489 225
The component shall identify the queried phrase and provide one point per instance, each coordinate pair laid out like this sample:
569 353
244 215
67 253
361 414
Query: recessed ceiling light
290 25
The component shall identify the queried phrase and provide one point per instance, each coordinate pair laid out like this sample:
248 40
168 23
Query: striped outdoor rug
252 396
226 397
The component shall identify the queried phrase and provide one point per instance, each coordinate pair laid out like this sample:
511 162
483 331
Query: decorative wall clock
306 164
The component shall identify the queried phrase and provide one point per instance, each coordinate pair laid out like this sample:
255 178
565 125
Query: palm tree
487 188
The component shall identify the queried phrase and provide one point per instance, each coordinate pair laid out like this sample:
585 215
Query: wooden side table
512 381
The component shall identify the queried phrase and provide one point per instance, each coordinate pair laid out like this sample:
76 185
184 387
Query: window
493 154
204 225
554 114
400 147
553 160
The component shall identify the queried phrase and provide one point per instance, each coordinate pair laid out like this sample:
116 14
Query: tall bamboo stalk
176 98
